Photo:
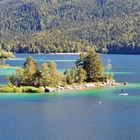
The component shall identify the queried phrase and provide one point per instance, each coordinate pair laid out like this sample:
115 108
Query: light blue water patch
120 73
41 60
7 71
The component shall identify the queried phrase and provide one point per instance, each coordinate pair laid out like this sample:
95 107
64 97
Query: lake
98 114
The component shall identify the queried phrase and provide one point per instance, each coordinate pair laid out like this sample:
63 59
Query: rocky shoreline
58 89
83 86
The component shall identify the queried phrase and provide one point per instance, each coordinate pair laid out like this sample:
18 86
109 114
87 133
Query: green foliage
50 76
18 78
5 55
69 80
31 78
45 74
82 75
92 64
64 26
29 75
76 75
73 74
53 42
32 75
110 77
27 89
10 89
89 68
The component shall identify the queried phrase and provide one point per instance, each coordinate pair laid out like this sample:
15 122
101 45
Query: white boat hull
123 94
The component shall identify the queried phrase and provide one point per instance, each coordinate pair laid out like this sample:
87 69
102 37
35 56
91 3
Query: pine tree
45 74
82 75
92 64
31 72
73 75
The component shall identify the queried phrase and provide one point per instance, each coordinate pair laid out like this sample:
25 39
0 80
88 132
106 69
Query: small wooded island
32 78
3 56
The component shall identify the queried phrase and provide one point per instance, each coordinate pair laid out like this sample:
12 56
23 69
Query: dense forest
35 26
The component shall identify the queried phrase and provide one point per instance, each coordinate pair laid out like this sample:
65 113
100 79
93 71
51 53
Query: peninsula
32 78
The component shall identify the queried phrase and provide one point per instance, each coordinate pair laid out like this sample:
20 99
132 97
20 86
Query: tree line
44 42
89 68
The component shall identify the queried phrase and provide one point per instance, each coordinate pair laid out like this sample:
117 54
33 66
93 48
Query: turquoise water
4 74
99 114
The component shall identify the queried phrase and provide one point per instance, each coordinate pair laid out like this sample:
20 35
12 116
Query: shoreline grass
28 89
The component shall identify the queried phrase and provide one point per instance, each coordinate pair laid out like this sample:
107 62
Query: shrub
32 90
7 89
10 89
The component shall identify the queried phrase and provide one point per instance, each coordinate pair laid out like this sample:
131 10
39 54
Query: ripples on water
77 115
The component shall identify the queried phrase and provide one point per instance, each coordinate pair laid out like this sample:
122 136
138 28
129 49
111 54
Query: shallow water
99 114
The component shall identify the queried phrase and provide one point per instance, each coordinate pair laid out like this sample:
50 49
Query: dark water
78 115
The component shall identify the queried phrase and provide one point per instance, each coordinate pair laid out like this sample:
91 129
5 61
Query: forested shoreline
62 26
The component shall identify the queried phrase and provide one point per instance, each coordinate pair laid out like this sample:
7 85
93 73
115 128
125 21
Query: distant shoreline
79 53
48 54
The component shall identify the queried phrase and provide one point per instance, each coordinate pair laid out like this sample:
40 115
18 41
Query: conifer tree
92 64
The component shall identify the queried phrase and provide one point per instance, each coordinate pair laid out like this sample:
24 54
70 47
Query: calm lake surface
77 115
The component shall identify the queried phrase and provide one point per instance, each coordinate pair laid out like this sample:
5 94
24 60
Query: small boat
123 93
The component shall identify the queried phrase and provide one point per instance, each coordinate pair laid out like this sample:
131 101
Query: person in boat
122 91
